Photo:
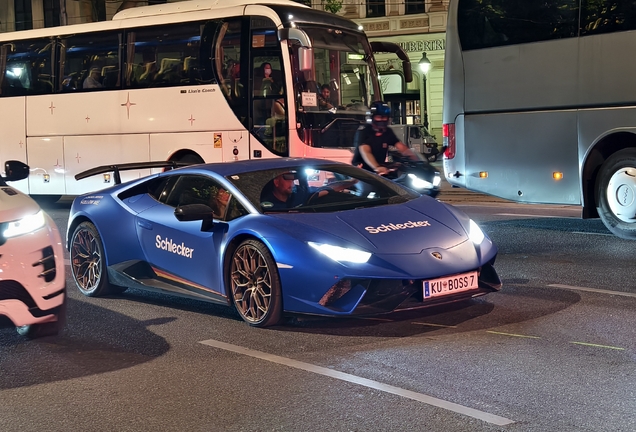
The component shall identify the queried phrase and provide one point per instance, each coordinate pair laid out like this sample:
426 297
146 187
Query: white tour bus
540 104
201 81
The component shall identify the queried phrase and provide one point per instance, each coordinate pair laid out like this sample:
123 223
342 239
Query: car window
197 189
327 189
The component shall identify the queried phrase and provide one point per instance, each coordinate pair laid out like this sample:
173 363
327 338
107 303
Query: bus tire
616 193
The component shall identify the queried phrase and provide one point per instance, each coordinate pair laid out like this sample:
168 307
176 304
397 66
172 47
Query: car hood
15 205
393 229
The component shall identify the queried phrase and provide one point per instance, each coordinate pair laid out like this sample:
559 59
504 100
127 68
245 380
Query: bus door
269 124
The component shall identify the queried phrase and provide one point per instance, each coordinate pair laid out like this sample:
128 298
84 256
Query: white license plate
450 285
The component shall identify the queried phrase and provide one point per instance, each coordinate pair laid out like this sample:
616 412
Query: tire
34 331
432 158
88 263
255 284
616 193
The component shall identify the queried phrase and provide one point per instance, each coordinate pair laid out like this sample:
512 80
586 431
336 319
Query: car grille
12 290
48 264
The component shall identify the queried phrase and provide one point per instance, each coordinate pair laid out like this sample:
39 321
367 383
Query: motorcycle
418 175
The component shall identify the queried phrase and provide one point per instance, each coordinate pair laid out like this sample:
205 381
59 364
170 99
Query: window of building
607 16
23 15
376 8
414 6
490 23
51 13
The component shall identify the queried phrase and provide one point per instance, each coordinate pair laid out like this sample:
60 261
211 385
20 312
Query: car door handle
144 224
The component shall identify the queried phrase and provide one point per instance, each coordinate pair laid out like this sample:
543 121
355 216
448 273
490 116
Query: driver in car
283 195
373 141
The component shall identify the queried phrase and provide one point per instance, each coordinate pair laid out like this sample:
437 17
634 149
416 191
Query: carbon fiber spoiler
127 167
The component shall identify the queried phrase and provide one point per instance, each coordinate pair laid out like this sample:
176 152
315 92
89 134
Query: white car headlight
25 225
419 183
340 254
475 233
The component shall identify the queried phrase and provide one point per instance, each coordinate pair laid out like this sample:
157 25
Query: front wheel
616 193
255 284
88 262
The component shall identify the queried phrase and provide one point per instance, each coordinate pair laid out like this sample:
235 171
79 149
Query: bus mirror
305 59
295 34
408 73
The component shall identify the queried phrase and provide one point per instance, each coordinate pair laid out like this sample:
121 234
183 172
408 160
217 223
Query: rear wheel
88 262
616 193
255 284
46 329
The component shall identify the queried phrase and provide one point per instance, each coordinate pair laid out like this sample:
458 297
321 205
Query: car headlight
475 233
341 254
419 183
25 225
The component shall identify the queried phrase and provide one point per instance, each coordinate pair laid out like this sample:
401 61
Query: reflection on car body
351 243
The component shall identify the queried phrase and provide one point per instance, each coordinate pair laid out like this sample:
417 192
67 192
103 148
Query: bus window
165 56
27 67
227 59
92 62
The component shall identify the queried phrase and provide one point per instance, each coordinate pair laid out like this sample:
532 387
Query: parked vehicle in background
193 81
419 139
539 104
32 281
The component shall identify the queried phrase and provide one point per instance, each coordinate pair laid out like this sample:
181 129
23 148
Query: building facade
419 26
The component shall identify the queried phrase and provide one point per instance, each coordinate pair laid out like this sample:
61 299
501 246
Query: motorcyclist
374 139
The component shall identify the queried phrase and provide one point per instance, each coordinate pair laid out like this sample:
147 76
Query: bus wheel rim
621 194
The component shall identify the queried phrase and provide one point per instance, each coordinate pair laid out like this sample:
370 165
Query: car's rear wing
127 167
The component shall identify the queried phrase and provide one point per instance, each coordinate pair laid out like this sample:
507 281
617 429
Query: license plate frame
449 285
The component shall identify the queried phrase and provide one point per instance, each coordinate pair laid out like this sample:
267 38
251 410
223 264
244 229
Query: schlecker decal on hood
397 227
168 245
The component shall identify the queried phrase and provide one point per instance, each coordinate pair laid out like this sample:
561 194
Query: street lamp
425 66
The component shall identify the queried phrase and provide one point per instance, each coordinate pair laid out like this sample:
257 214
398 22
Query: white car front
32 280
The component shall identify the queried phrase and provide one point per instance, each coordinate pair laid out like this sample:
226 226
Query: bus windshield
335 95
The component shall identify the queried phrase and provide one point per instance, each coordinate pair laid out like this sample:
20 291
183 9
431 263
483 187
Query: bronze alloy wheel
87 261
255 284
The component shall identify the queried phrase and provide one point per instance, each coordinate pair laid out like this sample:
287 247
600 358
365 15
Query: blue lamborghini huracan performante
277 236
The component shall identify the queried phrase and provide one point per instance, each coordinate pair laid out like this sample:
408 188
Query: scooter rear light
448 132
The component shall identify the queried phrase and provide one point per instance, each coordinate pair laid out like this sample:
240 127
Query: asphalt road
553 351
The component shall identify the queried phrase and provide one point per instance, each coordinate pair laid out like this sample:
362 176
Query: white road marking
532 215
594 290
460 409
434 325
592 233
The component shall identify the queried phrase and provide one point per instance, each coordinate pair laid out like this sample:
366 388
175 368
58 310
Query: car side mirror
15 170
195 212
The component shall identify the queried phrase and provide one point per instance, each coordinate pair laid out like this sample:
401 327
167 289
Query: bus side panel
90 151
170 109
520 152
13 145
46 156
211 146
605 77
513 78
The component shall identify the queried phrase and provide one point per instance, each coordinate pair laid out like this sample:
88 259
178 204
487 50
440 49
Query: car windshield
325 188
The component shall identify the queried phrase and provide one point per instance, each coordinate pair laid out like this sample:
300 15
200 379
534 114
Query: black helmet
379 108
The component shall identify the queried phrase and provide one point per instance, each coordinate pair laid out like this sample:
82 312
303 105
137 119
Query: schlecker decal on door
170 246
